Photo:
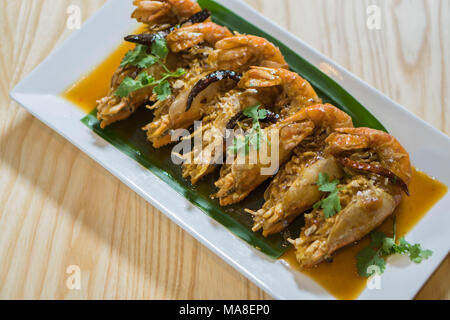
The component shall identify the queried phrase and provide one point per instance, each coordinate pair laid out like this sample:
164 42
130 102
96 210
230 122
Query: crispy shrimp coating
160 12
245 174
391 154
367 196
242 51
295 92
204 158
294 190
187 37
187 108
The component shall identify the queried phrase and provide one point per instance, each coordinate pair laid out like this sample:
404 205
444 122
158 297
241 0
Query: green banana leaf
128 137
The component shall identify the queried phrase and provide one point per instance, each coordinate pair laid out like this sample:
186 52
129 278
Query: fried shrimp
237 180
367 196
148 38
291 94
296 92
164 12
171 113
190 36
204 158
257 55
273 96
191 103
392 159
242 51
113 108
294 190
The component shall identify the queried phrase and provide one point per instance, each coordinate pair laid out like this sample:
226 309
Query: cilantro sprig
241 144
382 246
141 58
330 204
162 88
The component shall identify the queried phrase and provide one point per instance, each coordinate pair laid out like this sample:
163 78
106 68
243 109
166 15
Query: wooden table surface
59 208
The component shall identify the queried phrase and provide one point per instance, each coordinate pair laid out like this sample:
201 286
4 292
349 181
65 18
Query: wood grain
59 208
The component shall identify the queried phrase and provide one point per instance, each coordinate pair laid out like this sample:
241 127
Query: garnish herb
242 144
139 57
331 204
159 48
382 246
162 86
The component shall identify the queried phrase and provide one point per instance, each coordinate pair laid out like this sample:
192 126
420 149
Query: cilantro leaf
323 179
367 258
130 85
162 86
253 139
389 246
332 203
381 246
255 135
145 62
262 114
240 145
415 252
325 185
133 55
159 48
252 112
377 239
162 90
127 86
139 58
255 114
178 73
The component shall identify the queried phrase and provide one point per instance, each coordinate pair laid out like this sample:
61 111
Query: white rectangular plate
40 93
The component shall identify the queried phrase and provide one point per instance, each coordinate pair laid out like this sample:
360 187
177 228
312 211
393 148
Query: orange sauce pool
94 86
340 278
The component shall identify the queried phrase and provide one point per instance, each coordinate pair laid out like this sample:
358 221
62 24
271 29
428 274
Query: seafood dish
256 122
